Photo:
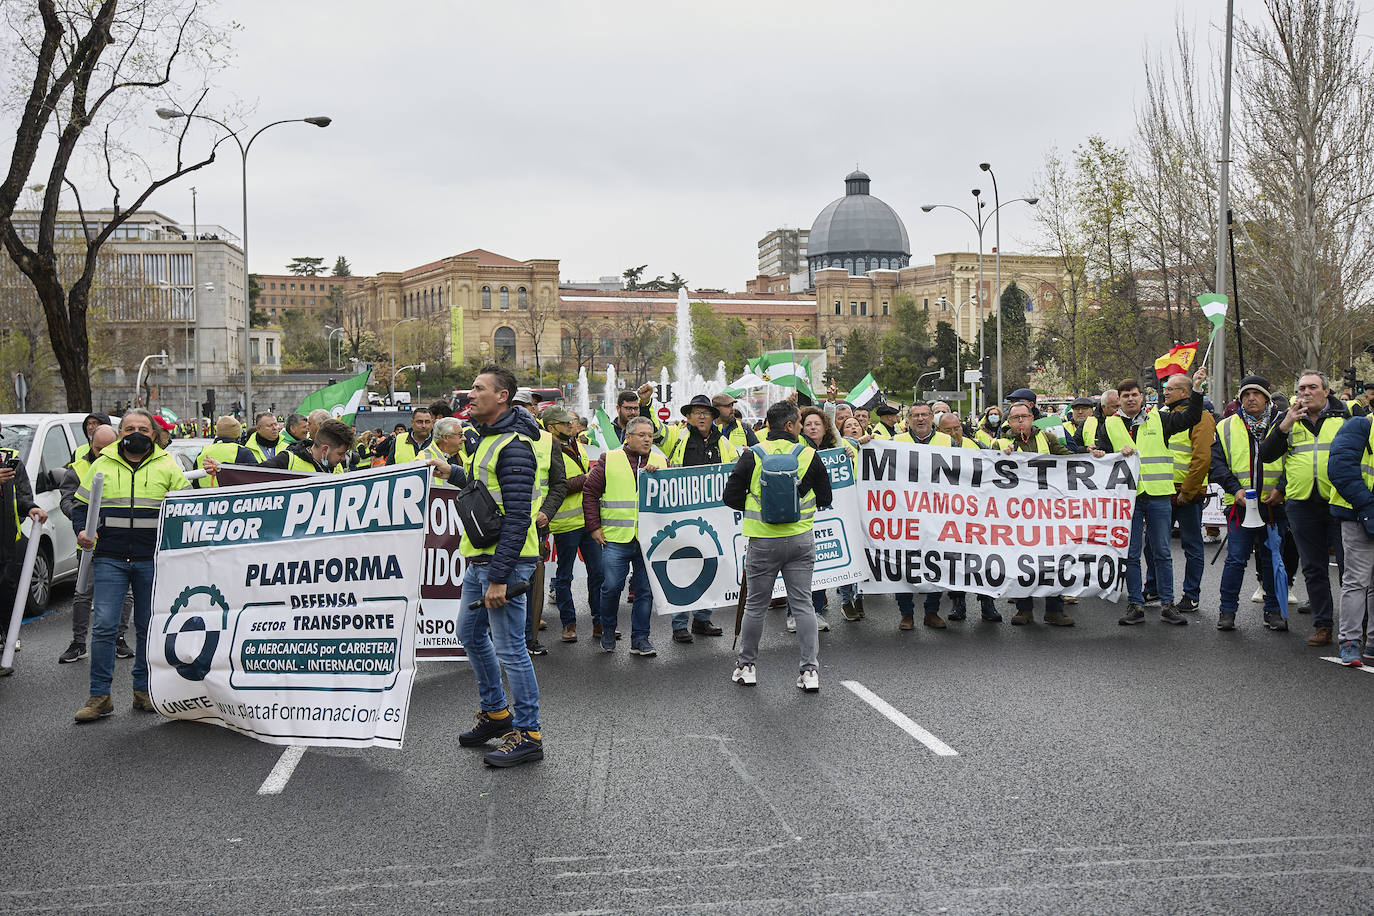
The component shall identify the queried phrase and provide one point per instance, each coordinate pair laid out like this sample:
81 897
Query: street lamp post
168 114
393 355
329 345
997 254
187 305
138 380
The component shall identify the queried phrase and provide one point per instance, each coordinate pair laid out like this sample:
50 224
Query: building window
859 266
521 299
838 310
863 308
441 297
504 342
606 347
486 297
925 303
884 308
884 263
853 308
505 299
271 348
253 350
849 265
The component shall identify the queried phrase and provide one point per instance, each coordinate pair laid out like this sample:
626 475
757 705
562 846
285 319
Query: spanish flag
1176 361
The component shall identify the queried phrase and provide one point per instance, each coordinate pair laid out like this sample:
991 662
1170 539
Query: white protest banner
1018 525
1213 507
286 610
694 548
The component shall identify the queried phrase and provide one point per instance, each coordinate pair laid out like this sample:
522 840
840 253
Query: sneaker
485 728
1151 599
992 615
1258 596
682 635
1274 621
122 649
809 681
822 624
859 605
1350 654
143 702
705 628
791 624
75 653
1168 614
607 642
745 676
1186 605
1226 621
849 611
642 647
519 747
1134 614
959 612
1368 650
95 708
17 646
535 647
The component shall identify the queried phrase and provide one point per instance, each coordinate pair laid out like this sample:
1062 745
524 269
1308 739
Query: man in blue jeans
501 458
610 508
138 475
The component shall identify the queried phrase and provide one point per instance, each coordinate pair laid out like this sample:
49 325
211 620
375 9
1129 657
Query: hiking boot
849 611
682 635
519 747
1168 614
1321 636
809 681
1058 619
485 728
958 612
706 628
75 653
95 708
1226 621
934 621
1021 618
122 649
1186 605
143 702
1134 614
907 623
992 615
1274 621
746 676
1151 599
596 630
1350 654
535 647
569 633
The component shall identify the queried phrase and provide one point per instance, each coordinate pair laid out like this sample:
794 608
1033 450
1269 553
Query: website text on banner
286 610
436 622
694 548
1016 525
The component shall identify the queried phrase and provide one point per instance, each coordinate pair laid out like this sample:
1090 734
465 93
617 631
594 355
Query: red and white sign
664 413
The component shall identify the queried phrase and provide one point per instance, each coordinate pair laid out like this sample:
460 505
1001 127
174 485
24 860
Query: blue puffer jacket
515 473
1347 454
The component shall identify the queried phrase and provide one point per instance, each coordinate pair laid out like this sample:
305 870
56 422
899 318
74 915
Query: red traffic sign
664 413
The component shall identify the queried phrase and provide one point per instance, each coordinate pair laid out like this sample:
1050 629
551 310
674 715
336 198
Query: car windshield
17 436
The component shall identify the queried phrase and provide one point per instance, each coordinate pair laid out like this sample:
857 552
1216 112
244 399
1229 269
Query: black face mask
136 444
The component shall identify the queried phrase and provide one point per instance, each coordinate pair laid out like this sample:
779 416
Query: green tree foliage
808 343
906 348
634 280
715 339
256 317
306 267
342 268
1016 340
862 353
302 340
632 275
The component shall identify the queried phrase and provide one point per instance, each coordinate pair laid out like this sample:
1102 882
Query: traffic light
986 368
1352 380
210 403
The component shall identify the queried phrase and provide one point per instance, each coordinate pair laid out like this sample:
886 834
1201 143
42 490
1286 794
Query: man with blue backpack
778 485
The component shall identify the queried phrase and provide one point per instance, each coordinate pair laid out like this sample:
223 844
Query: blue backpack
779 501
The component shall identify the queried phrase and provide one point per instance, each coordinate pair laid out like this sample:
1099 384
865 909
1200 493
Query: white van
45 442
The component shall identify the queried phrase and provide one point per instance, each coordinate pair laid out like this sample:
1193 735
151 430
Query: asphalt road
1098 769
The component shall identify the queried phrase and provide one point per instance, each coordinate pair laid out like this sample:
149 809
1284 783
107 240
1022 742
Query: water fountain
583 403
721 380
609 392
685 351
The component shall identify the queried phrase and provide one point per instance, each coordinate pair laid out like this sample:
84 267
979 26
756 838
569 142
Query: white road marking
898 718
281 773
1337 659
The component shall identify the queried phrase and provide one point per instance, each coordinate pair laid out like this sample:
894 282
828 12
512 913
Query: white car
45 442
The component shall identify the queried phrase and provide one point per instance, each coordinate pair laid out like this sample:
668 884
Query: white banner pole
84 569
21 597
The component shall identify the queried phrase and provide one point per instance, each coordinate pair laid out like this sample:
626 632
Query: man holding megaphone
1253 497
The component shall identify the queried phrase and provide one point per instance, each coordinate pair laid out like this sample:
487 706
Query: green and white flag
784 370
601 432
865 392
1214 307
341 399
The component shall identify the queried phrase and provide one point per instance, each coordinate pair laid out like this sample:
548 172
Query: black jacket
17 494
282 459
815 480
515 469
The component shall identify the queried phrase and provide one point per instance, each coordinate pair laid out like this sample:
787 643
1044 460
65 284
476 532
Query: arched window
486 297
849 264
505 298
885 263
521 299
441 298
504 342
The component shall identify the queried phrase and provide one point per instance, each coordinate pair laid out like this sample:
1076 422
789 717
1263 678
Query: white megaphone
1252 513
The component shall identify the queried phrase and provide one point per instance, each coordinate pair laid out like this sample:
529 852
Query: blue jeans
618 562
566 545
1150 525
819 603
849 592
495 642
112 578
680 620
1240 543
1053 604
1189 520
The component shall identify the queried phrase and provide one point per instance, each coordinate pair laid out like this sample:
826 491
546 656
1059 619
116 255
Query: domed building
857 232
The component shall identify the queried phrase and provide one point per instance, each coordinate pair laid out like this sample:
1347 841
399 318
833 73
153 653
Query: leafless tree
533 321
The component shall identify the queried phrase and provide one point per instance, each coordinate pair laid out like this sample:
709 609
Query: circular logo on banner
686 572
197 603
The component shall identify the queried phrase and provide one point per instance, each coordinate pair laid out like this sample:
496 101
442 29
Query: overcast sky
674 134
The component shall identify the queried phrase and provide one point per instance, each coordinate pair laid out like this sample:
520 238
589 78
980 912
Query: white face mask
994 417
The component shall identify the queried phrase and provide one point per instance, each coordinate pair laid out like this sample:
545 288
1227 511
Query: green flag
341 399
601 432
1214 307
